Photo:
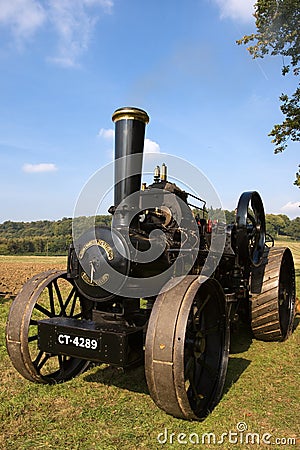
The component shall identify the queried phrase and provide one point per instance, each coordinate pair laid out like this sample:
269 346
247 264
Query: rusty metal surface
273 296
20 330
186 351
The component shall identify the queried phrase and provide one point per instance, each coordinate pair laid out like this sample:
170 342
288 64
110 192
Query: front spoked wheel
187 345
48 294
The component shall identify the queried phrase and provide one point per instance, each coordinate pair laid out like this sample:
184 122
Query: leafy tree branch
278 34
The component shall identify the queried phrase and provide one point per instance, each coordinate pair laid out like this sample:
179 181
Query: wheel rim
46 295
286 293
205 354
199 340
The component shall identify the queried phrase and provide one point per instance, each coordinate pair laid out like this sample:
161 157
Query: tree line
276 224
42 237
45 237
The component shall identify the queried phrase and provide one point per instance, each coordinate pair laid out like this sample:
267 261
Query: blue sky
66 65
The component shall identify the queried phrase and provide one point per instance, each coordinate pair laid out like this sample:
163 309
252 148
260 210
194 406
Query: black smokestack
130 126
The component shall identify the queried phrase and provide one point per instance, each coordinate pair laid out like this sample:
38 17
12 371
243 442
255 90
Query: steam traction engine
159 287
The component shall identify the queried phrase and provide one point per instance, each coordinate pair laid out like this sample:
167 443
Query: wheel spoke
51 299
189 373
252 219
60 300
200 309
43 361
211 330
188 367
71 294
190 376
75 298
40 360
77 316
196 316
60 362
206 366
43 310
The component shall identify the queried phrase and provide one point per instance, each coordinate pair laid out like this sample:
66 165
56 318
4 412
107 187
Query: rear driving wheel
186 351
273 296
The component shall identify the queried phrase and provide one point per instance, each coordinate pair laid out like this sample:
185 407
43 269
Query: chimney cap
130 113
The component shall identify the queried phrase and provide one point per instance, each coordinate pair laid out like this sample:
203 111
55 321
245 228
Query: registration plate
78 341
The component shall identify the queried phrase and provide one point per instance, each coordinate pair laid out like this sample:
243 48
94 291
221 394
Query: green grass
107 409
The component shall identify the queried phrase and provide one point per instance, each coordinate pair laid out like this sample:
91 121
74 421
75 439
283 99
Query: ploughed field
16 270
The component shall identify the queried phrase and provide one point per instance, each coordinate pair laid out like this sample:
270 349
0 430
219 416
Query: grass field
107 409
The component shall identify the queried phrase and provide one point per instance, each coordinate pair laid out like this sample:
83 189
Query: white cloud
73 22
240 10
23 17
291 208
38 168
151 146
107 5
107 133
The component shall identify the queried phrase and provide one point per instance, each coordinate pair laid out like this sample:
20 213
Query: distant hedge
42 237
45 237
